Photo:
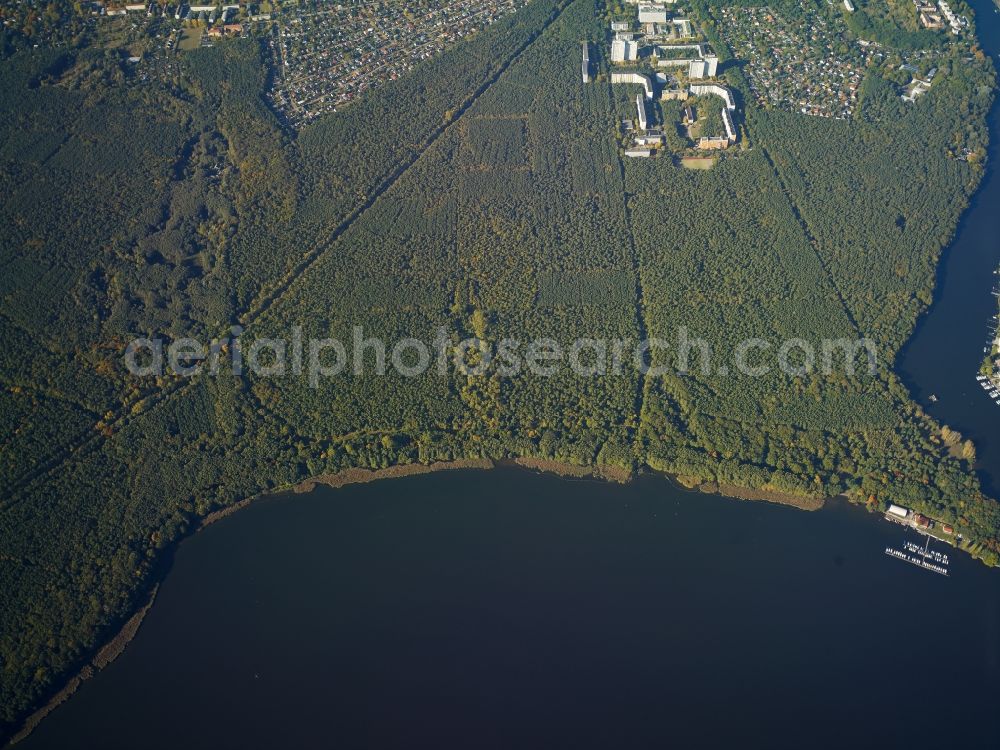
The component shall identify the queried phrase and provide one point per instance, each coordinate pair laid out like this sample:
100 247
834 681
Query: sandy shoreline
104 656
769 496
113 648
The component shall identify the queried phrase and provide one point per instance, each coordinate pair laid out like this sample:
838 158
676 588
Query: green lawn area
190 39
699 162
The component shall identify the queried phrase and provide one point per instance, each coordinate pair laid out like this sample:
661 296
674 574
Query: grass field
190 39
699 162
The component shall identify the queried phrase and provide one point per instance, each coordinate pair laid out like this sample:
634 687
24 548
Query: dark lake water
507 609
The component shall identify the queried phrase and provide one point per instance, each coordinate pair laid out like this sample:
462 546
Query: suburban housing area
328 54
682 105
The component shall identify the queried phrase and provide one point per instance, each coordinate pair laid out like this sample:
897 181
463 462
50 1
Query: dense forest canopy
484 193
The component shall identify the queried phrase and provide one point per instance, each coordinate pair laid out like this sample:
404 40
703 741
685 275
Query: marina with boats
989 371
913 553
922 557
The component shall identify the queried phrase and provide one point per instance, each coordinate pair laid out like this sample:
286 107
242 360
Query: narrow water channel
943 357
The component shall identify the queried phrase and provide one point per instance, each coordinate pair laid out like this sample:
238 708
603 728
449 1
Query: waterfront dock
917 559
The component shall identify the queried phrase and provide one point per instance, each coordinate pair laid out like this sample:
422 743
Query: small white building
652 14
727 123
955 24
898 511
699 60
698 69
704 89
640 105
636 78
682 26
623 51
